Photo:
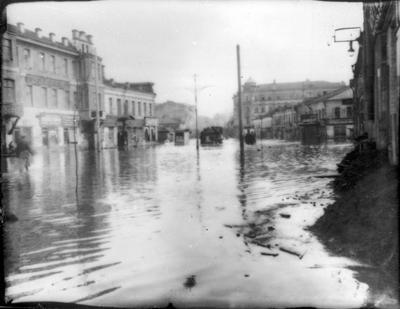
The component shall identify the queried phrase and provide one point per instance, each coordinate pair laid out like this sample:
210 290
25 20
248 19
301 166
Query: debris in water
299 255
190 282
237 235
270 254
246 275
220 237
285 215
271 228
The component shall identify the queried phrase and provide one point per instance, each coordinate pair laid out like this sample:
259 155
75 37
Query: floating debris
299 255
190 282
285 215
270 254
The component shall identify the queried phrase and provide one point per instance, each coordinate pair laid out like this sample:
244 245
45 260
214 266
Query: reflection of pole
239 100
97 102
195 101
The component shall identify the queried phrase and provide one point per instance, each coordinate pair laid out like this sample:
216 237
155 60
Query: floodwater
163 224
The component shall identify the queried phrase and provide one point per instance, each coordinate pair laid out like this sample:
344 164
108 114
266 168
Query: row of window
45 62
129 108
50 98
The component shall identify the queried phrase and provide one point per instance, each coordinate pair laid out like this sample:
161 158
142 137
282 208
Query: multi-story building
129 109
53 90
327 117
376 77
258 100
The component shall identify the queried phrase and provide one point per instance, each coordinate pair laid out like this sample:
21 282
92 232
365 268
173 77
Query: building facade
259 100
377 75
327 117
129 111
53 90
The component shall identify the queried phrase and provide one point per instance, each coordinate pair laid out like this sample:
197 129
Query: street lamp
351 37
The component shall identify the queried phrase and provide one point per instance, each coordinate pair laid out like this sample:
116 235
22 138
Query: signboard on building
150 121
48 120
68 120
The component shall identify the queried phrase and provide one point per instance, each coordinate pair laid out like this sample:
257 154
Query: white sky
166 42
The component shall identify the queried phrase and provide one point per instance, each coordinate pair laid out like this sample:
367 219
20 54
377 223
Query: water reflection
144 222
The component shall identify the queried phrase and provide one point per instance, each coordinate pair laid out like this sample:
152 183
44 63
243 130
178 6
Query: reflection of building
376 77
52 90
258 100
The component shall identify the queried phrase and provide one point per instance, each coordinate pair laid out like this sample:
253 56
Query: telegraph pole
97 101
239 100
195 102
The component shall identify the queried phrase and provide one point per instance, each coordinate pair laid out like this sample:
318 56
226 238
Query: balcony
11 110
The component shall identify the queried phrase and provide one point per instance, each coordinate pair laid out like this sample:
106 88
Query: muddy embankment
363 222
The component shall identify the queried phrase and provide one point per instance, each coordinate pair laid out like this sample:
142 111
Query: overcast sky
166 42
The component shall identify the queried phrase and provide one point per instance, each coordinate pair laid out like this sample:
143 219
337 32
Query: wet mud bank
362 223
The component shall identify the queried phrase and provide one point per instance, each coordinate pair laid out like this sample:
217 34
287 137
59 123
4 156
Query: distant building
258 100
53 89
129 109
327 117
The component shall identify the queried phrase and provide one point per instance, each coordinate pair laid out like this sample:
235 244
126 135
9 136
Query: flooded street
164 224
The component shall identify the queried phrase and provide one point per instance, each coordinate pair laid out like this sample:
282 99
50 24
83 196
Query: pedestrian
24 153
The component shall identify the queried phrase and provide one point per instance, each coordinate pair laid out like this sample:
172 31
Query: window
9 91
44 97
54 102
133 108
118 107
76 101
65 66
67 100
263 109
349 111
150 109
337 112
99 102
53 63
7 49
29 96
110 106
139 109
42 59
27 58
145 108
126 112
256 110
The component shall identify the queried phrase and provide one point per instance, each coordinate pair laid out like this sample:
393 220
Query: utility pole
97 101
239 100
195 102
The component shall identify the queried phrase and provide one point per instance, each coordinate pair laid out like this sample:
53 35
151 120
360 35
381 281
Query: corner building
52 90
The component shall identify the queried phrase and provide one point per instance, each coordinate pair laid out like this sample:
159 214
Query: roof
299 86
31 35
342 93
146 87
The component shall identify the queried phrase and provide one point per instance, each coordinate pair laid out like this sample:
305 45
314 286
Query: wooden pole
239 100
195 101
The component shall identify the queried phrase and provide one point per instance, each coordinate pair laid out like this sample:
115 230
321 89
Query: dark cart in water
249 135
211 136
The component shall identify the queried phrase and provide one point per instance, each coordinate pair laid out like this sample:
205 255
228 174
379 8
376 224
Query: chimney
21 27
126 85
90 38
51 36
64 41
74 34
112 81
38 31
81 34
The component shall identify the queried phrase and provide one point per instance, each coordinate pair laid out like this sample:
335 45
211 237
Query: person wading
24 153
